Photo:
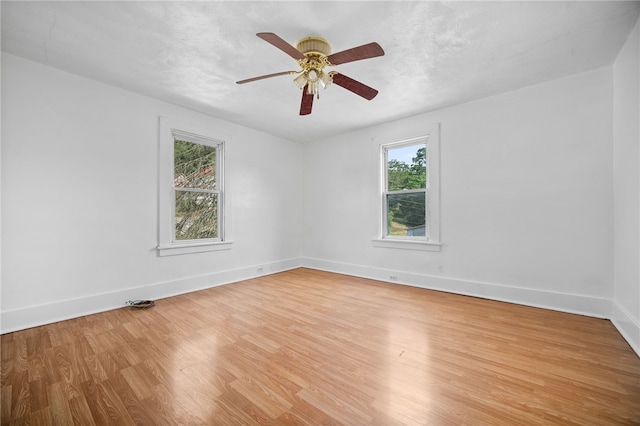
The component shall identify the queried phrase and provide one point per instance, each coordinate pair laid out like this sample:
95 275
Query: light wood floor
310 347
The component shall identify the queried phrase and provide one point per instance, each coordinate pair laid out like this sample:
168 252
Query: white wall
626 144
526 198
79 207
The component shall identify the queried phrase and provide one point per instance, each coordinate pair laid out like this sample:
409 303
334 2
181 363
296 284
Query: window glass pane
406 168
406 214
194 165
196 215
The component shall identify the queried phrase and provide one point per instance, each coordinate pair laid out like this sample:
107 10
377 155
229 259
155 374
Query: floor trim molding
628 327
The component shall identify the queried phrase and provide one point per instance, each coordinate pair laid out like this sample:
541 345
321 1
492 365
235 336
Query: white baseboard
628 326
570 303
33 316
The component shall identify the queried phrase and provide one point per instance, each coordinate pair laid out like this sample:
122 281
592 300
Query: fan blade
281 44
249 80
365 51
354 86
307 102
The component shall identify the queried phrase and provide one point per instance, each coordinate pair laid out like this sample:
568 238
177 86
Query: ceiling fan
313 54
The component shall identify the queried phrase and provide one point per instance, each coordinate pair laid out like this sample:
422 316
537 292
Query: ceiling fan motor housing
314 46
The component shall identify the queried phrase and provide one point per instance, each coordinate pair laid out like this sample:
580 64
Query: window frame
431 241
170 130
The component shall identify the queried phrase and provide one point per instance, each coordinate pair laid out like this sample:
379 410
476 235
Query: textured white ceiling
437 53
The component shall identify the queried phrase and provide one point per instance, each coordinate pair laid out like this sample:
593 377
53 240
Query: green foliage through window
403 176
194 165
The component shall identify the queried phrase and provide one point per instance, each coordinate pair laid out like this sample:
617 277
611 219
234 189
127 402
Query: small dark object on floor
141 304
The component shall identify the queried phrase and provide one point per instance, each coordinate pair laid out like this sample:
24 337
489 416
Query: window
409 196
196 190
191 191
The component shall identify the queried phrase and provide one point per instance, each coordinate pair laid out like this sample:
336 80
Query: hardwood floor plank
307 347
141 388
38 394
20 357
80 411
95 368
195 387
58 404
5 403
133 411
20 396
268 401
233 410
42 417
208 377
105 403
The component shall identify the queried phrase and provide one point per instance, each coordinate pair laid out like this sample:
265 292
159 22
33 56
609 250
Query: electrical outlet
393 278
259 270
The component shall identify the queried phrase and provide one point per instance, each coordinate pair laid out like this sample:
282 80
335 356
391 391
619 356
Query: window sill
407 244
175 249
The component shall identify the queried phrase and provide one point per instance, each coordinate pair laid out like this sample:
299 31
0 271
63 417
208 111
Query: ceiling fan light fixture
312 88
326 79
313 75
313 79
300 80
